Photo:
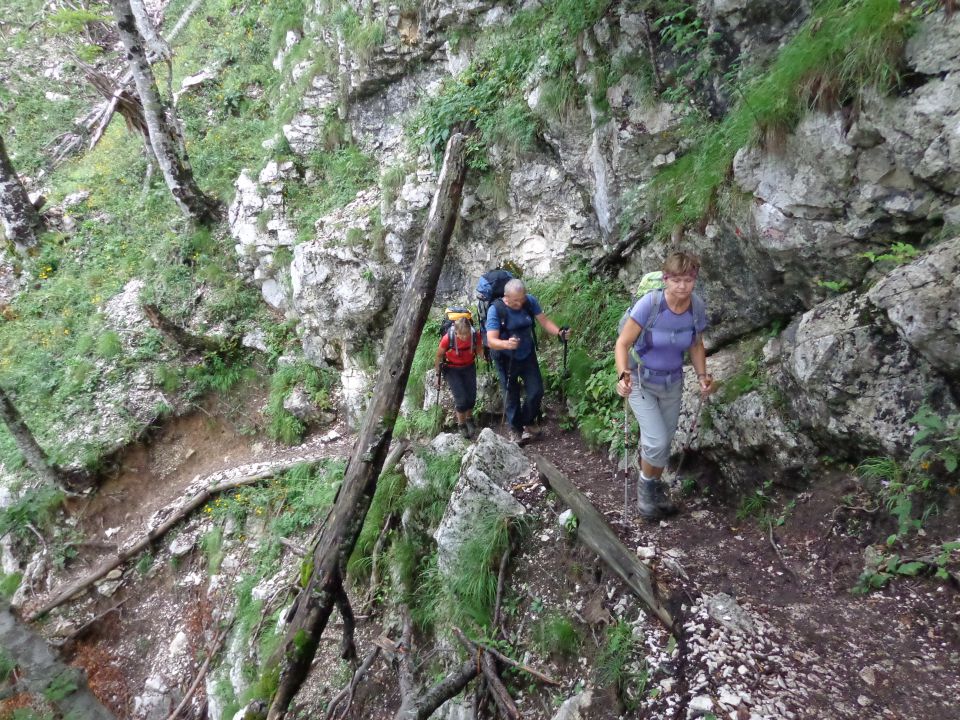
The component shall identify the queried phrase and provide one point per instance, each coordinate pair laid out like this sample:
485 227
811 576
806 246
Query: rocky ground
770 627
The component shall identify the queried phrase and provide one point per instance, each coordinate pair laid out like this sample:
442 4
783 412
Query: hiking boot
534 430
526 436
465 430
472 431
646 500
515 435
661 499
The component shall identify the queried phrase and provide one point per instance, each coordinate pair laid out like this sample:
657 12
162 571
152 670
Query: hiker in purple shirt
663 325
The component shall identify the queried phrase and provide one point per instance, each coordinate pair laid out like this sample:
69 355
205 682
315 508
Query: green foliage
363 36
428 501
212 545
748 379
759 504
109 345
293 501
62 685
423 360
391 181
556 635
898 254
144 563
596 409
615 661
843 50
9 584
339 175
386 501
69 21
317 383
55 329
7 665
469 587
937 440
881 569
490 93
218 372
936 450
683 31
836 286
37 506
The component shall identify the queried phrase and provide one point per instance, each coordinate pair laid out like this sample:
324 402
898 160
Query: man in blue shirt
510 334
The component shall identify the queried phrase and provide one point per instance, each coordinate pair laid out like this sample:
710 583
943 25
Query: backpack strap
501 308
699 314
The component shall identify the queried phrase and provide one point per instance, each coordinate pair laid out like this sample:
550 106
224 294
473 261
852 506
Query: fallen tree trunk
131 551
291 662
599 537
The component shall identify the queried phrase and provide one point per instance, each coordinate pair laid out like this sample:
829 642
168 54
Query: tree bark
18 216
156 45
594 531
32 452
174 164
313 606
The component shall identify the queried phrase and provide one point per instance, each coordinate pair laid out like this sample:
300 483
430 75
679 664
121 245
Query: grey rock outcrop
852 381
488 466
923 300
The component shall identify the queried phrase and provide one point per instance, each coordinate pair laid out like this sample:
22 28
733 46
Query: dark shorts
463 386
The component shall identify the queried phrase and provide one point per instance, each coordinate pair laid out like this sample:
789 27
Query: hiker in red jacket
460 371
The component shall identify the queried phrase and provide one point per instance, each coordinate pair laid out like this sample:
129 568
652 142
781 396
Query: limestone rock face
750 437
805 212
851 380
260 227
923 300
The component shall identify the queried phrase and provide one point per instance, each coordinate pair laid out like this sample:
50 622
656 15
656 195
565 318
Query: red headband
692 273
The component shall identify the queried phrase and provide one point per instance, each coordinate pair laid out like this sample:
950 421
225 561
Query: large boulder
488 466
923 300
853 382
744 429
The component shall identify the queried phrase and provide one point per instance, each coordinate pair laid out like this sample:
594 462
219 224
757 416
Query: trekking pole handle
563 333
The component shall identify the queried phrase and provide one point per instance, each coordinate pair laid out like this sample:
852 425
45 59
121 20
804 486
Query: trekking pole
691 436
626 473
506 393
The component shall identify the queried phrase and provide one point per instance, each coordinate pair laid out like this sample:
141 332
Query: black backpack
490 293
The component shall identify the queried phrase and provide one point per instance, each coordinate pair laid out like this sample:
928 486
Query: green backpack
653 282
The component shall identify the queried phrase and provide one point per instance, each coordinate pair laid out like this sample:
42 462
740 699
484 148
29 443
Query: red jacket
464 354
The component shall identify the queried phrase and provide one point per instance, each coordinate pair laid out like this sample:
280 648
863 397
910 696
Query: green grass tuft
843 50
556 635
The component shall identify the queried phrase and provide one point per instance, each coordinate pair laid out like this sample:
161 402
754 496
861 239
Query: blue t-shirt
672 334
519 323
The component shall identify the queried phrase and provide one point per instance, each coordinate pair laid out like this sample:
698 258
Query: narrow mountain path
795 642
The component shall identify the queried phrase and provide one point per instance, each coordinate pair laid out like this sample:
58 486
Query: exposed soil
890 654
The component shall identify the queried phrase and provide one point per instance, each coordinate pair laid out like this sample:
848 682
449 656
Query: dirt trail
890 654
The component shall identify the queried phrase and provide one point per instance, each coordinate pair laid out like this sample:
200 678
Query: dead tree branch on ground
490 673
134 549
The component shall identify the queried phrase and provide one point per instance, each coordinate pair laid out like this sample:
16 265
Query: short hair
461 326
514 286
681 263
